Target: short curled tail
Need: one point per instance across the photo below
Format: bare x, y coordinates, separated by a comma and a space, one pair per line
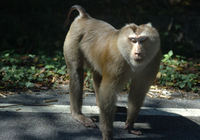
81, 10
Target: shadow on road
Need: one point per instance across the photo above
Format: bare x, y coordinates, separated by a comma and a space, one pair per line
61, 126
163, 127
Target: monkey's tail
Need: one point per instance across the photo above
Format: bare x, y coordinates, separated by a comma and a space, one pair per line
81, 10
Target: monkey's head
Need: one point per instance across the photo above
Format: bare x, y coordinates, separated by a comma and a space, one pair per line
138, 44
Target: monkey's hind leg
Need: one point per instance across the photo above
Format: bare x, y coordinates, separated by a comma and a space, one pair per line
76, 92
96, 84
74, 62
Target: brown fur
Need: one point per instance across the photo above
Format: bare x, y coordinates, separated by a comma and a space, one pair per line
114, 59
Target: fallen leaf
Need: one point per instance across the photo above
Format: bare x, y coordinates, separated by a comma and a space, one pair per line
4, 96
50, 101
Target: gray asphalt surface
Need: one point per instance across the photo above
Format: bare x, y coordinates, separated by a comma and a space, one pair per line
60, 126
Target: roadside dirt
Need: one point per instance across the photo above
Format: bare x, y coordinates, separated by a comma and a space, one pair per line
154, 92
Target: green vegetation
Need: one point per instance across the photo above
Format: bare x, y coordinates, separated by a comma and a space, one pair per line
32, 35
30, 71
178, 73
37, 71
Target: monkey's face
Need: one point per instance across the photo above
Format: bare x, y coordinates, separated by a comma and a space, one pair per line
138, 44
137, 47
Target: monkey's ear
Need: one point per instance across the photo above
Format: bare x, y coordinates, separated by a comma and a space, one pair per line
149, 24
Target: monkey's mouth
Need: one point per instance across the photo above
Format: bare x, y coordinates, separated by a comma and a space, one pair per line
138, 58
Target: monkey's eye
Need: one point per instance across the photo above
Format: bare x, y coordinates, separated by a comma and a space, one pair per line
142, 39
133, 39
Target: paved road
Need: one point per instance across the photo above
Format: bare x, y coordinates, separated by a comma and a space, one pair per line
35, 117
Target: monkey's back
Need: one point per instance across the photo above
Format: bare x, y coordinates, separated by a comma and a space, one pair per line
95, 37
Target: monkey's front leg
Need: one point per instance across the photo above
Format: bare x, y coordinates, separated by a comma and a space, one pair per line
135, 101
107, 99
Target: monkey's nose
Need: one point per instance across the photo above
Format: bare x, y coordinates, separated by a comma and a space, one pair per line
138, 54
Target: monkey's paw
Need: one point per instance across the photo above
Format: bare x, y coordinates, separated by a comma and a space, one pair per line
135, 132
131, 130
87, 122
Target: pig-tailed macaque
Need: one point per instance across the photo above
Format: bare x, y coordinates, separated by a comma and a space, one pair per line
131, 53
